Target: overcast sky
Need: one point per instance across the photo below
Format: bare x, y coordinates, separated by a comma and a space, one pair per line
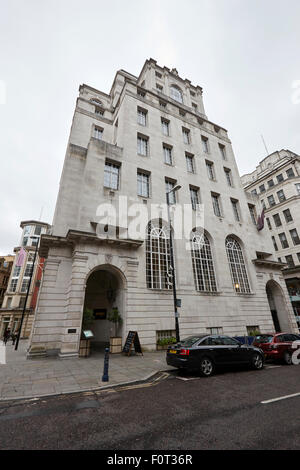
244, 53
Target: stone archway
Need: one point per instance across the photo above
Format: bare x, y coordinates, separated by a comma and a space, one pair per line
277, 306
105, 289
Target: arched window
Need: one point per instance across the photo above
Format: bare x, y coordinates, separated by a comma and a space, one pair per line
237, 265
95, 101
176, 94
158, 272
203, 265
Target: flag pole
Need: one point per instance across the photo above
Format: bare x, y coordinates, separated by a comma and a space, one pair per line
27, 293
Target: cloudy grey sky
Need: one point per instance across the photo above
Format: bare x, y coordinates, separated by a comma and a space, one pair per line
244, 53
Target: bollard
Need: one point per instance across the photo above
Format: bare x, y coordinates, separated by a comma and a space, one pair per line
105, 370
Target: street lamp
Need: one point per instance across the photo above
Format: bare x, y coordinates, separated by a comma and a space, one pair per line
27, 293
173, 190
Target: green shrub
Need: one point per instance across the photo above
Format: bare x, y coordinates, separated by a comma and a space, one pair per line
166, 341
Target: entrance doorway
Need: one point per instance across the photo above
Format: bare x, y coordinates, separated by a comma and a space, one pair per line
104, 291
277, 306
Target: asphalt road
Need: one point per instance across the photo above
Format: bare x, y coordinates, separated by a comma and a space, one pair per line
220, 412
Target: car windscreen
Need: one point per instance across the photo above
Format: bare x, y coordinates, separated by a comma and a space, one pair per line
263, 339
187, 342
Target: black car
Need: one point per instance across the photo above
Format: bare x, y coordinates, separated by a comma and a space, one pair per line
204, 353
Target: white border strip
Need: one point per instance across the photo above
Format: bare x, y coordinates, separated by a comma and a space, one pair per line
281, 398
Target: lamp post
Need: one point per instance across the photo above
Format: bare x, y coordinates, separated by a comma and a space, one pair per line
27, 293
176, 188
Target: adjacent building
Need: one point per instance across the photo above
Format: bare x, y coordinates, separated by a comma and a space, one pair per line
15, 295
276, 184
126, 150
6, 263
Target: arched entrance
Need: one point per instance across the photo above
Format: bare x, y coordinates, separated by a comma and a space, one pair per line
277, 306
104, 291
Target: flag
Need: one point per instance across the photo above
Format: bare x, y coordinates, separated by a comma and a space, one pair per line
21, 257
261, 220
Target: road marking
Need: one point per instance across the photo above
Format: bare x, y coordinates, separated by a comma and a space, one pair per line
281, 398
272, 367
187, 378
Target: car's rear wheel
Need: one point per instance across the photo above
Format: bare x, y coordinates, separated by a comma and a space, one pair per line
287, 357
207, 367
257, 361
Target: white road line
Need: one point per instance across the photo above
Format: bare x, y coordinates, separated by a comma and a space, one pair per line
272, 367
280, 398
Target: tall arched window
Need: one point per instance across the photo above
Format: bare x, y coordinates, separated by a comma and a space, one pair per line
158, 273
176, 94
237, 265
203, 265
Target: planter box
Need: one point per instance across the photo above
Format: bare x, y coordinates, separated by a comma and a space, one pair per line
115, 345
162, 348
84, 348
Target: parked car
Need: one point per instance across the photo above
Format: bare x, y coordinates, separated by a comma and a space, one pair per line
204, 353
277, 347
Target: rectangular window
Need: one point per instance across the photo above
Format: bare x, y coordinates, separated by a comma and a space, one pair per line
262, 188
162, 104
281, 195
190, 163
186, 135
295, 237
210, 170
159, 88
254, 192
8, 303
271, 200
141, 93
277, 220
223, 151
25, 285
169, 186
194, 193
269, 223
167, 155
204, 141
165, 126
216, 204
290, 261
235, 208
142, 146
16, 271
290, 173
99, 111
279, 178
298, 254
142, 116
252, 213
98, 132
216, 330
195, 107
111, 175
298, 188
288, 216
228, 176
263, 204
28, 268
283, 240
143, 184
270, 183
157, 74
275, 244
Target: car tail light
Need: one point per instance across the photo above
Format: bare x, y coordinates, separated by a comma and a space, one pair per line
184, 352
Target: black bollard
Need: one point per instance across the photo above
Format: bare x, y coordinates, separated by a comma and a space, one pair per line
105, 370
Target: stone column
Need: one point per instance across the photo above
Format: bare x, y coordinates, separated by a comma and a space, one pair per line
75, 300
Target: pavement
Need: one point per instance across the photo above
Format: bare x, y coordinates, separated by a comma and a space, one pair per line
22, 378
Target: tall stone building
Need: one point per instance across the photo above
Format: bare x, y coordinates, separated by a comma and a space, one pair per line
15, 295
6, 263
276, 184
131, 146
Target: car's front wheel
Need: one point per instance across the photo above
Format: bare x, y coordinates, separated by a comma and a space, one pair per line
257, 361
207, 367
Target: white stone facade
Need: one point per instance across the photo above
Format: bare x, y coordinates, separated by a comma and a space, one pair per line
74, 251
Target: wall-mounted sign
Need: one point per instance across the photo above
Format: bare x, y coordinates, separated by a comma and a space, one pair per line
99, 313
88, 334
